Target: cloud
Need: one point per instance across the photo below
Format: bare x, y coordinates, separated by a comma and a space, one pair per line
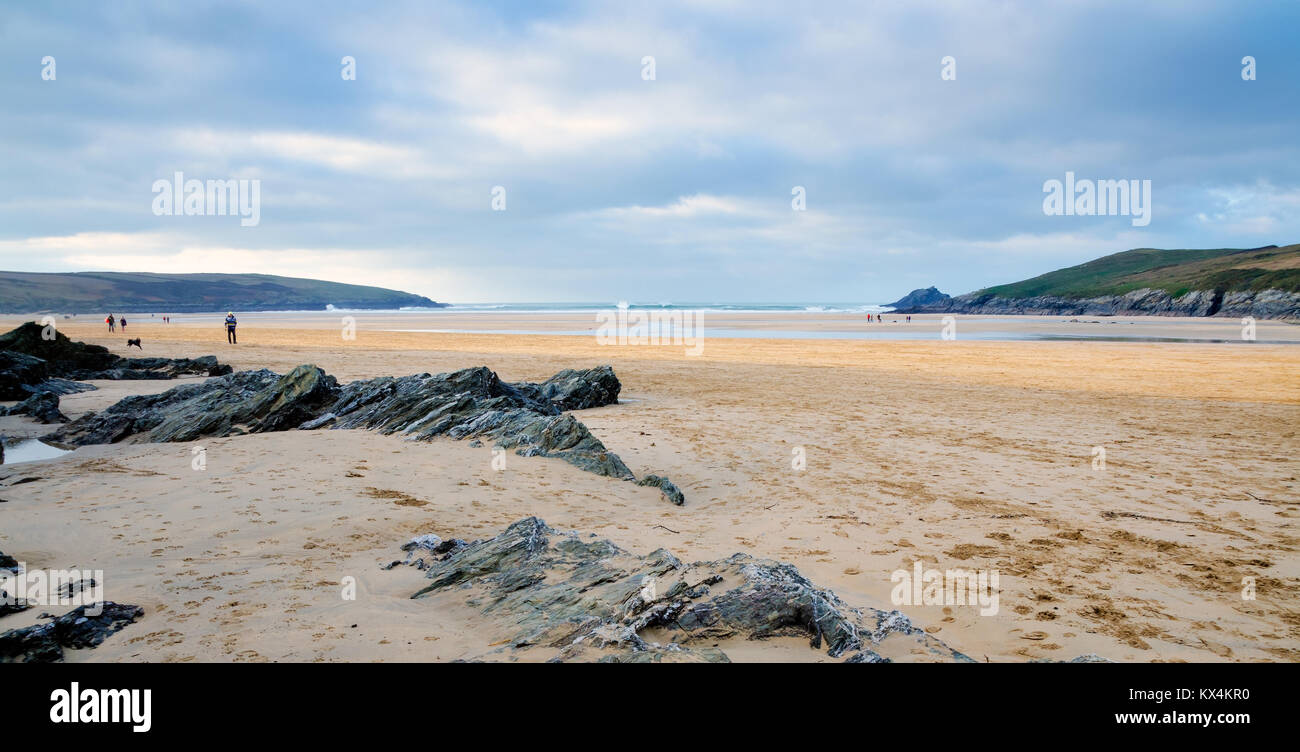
622, 187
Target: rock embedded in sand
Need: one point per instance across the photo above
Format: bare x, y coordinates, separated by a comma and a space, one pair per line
19, 372
564, 599
475, 404
577, 390
670, 490
43, 407
45, 643
469, 404
245, 402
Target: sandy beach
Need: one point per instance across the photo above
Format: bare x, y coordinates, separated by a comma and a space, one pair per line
976, 452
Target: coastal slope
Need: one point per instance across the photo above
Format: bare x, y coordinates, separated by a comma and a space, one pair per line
1260, 282
139, 292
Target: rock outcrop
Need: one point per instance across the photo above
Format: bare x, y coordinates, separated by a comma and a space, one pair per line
45, 643
564, 598
245, 402
475, 404
469, 404
1262, 304
43, 407
31, 363
919, 297
670, 489
19, 375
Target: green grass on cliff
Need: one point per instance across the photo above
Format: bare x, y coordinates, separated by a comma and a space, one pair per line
1174, 271
105, 292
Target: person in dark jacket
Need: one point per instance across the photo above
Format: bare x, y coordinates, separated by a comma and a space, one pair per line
230, 328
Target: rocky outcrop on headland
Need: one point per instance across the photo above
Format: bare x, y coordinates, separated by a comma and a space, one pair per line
573, 599
30, 363
917, 298
1262, 304
45, 643
469, 404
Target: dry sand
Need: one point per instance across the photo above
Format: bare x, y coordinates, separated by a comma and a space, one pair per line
972, 454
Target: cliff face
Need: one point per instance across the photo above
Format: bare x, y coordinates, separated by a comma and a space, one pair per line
1260, 282
1262, 304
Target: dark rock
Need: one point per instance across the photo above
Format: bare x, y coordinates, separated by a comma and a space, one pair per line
60, 387
245, 402
917, 298
169, 368
10, 605
423, 550
19, 371
43, 407
591, 600
45, 643
60, 353
468, 404
578, 390
30, 363
671, 491
867, 656
8, 562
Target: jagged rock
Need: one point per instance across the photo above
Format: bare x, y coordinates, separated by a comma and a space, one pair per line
157, 369
469, 404
8, 562
19, 371
31, 363
671, 491
59, 387
45, 643
475, 404
245, 402
591, 600
43, 407
578, 390
61, 354
423, 550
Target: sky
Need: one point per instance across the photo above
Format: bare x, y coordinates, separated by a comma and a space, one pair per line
621, 183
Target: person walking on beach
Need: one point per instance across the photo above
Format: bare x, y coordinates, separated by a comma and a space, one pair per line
111, 323
122, 321
230, 328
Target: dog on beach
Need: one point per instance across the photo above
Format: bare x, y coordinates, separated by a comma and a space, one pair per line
135, 342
